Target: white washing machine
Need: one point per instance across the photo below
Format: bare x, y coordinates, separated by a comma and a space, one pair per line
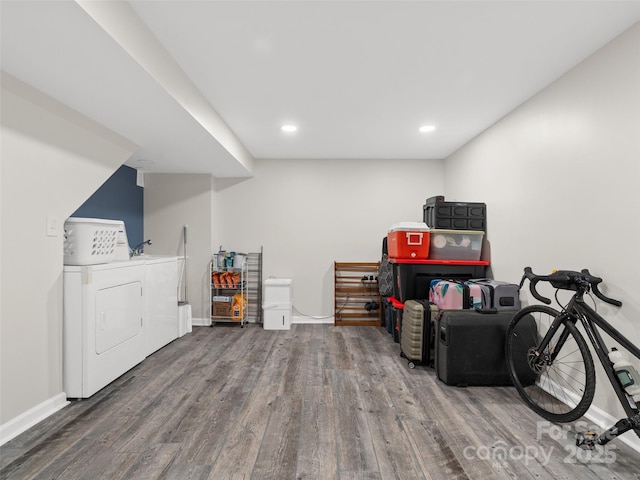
161, 301
103, 324
277, 305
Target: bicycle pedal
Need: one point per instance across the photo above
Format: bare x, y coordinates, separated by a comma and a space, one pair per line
586, 440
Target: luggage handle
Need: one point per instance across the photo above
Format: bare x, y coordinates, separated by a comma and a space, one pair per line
487, 310
416, 234
443, 335
479, 280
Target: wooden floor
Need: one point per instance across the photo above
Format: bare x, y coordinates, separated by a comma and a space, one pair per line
315, 402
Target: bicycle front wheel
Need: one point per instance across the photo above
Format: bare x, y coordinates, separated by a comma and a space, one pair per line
557, 382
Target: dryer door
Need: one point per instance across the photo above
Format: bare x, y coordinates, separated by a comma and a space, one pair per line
118, 315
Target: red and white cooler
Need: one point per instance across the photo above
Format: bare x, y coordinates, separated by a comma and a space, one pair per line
409, 240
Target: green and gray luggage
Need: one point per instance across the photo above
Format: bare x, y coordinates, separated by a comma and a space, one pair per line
416, 337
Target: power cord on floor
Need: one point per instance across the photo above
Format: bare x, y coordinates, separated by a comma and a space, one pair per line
311, 316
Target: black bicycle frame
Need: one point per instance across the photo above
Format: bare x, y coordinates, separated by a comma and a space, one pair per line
565, 316
589, 317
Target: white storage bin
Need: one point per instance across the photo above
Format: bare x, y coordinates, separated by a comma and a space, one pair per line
277, 290
277, 316
90, 241
456, 245
277, 304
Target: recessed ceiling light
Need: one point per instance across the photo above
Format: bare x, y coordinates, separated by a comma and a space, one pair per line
289, 128
427, 128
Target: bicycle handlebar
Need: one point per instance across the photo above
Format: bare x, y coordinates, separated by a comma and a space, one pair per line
567, 280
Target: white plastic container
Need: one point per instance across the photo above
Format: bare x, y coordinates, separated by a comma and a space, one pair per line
456, 245
626, 372
238, 260
277, 316
219, 260
277, 305
90, 241
277, 290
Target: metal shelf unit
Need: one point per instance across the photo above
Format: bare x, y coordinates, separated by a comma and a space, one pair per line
248, 283
225, 284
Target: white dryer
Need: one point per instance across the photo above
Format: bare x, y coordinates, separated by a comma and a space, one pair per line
103, 324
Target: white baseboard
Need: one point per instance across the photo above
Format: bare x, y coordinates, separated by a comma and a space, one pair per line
200, 322
34, 415
598, 416
205, 322
312, 320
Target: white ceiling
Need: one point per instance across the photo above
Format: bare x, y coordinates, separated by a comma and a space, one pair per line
204, 86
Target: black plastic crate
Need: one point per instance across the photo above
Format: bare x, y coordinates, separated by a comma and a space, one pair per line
438, 213
411, 281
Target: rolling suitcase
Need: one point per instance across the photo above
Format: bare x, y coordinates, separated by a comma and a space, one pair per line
416, 340
470, 348
502, 295
483, 299
455, 294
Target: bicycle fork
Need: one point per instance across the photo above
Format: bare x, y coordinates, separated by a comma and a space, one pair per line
546, 352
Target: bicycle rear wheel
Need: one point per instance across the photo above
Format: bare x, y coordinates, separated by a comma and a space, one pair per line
558, 385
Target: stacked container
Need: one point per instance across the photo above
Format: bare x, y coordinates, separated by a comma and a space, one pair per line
454, 215
408, 240
457, 229
277, 304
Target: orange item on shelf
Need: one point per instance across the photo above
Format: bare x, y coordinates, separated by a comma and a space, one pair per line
238, 304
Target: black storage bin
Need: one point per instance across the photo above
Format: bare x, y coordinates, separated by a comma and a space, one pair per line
454, 215
411, 281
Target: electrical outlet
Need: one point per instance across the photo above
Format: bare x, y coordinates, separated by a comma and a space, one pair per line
52, 226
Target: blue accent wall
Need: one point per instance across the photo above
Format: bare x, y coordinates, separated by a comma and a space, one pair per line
119, 198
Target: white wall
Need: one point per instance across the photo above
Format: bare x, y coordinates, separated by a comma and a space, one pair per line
170, 202
560, 178
53, 159
308, 214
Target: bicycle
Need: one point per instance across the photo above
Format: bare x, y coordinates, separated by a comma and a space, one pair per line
550, 363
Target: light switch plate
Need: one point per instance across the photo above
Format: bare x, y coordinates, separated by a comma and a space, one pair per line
52, 226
